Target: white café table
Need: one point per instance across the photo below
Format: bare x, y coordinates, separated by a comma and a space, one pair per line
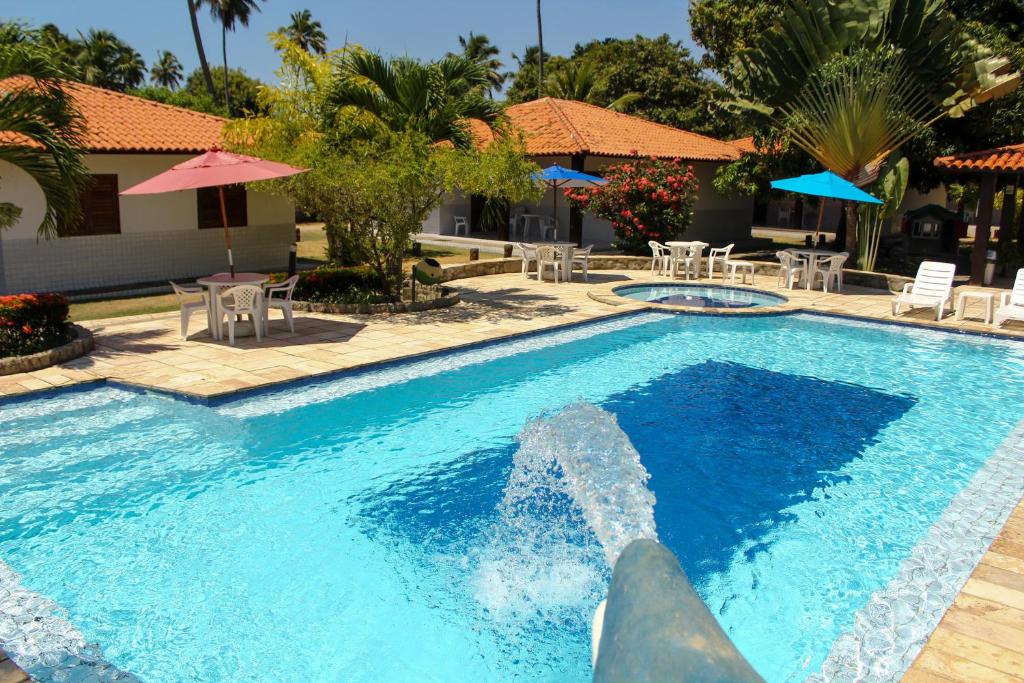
215, 283
812, 256
565, 250
677, 252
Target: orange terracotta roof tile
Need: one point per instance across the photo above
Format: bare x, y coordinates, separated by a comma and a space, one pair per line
116, 122
1009, 159
565, 127
744, 145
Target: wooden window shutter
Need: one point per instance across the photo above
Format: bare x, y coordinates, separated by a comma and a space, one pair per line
101, 209
209, 206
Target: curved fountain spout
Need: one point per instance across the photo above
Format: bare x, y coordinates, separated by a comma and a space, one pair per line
656, 628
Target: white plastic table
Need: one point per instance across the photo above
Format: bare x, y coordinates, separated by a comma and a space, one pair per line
677, 249
985, 297
812, 256
564, 250
220, 281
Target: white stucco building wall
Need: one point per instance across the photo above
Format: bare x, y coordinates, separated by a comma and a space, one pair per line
160, 237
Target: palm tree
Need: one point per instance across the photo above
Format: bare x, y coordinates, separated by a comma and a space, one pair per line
166, 70
478, 48
540, 54
207, 76
579, 80
104, 60
306, 32
44, 133
850, 82
435, 99
228, 13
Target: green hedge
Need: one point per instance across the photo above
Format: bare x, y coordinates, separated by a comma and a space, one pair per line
30, 323
335, 285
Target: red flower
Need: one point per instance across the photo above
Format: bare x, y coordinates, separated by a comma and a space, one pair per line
26, 328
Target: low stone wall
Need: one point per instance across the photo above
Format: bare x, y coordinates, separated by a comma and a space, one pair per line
82, 344
449, 299
860, 278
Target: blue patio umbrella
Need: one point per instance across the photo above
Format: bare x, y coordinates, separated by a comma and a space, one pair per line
825, 184
557, 177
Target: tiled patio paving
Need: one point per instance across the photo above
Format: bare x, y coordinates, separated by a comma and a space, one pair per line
981, 638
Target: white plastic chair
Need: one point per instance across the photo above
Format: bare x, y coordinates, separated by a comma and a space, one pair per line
581, 258
243, 300
282, 302
831, 270
735, 266
548, 256
931, 288
688, 260
718, 256
791, 269
659, 257
529, 256
1011, 304
461, 224
548, 229
190, 307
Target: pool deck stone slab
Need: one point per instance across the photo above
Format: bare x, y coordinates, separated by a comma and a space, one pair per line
980, 638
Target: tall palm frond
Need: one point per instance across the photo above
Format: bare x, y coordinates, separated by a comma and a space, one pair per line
436, 99
42, 133
228, 13
306, 32
478, 48
166, 71
579, 80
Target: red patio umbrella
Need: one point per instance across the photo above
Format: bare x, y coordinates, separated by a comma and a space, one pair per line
215, 168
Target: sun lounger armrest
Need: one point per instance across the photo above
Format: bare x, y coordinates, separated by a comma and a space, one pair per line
907, 286
1004, 299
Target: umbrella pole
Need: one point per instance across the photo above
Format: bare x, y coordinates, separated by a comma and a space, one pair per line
554, 208
227, 233
821, 217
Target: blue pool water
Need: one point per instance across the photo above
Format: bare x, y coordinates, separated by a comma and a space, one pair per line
349, 530
700, 296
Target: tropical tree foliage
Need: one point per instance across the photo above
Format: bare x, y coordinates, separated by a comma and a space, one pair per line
579, 80
525, 84
166, 71
104, 60
229, 13
724, 28
243, 92
890, 188
478, 48
374, 184
434, 99
204, 65
44, 137
851, 82
306, 32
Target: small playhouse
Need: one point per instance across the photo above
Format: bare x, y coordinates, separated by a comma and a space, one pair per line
932, 229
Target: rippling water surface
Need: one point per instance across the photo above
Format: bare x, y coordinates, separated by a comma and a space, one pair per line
352, 530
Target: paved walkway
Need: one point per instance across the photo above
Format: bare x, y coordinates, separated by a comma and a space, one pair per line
981, 638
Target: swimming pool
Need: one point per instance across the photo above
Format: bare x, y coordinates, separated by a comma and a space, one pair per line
352, 529
700, 296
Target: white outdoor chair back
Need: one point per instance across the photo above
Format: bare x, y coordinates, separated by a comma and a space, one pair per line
184, 292
243, 297
189, 307
285, 289
546, 253
934, 279
461, 224
1017, 293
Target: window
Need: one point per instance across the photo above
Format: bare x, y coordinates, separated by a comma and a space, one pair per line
101, 211
209, 206
926, 230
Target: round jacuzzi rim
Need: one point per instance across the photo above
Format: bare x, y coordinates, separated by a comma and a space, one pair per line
781, 300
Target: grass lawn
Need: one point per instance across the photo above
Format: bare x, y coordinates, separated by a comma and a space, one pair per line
310, 251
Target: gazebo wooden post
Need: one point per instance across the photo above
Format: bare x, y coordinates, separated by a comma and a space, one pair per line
575, 215
983, 227
1008, 216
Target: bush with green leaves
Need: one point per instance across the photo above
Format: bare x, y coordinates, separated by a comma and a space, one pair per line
30, 323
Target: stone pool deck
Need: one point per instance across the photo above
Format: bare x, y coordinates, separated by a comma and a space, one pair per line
981, 637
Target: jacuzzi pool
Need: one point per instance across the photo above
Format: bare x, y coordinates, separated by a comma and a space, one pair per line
700, 296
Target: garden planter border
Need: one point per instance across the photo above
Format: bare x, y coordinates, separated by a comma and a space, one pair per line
81, 344
449, 299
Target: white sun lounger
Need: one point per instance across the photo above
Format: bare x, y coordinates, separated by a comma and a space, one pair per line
932, 288
1011, 304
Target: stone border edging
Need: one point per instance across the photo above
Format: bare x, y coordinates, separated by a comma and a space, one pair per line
445, 301
81, 344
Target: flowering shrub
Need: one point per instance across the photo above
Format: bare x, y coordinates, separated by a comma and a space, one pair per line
30, 323
334, 285
646, 199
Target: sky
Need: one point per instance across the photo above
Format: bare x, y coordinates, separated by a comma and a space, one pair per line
393, 27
